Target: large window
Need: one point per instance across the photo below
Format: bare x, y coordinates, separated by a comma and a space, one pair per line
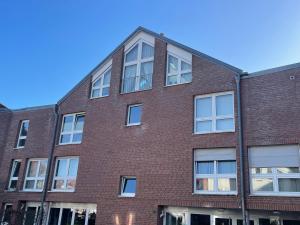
134, 115
35, 175
214, 113
72, 128
14, 175
138, 67
100, 86
23, 133
274, 170
179, 71
215, 171
128, 186
65, 174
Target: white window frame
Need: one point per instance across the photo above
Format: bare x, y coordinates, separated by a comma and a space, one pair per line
275, 176
125, 194
72, 132
179, 72
4, 210
214, 116
102, 86
138, 64
21, 137
215, 176
11, 178
129, 112
36, 178
67, 177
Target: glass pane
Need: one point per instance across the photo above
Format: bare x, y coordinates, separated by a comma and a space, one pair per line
203, 107
173, 219
223, 221
59, 184
61, 169
92, 217
16, 168
132, 54
135, 113
224, 104
186, 78
262, 184
130, 71
291, 222
29, 184
204, 184
261, 170
96, 83
172, 64
106, 78
7, 214
71, 184
66, 217
147, 51
13, 184
227, 184
264, 222
95, 93
185, 66
40, 184
24, 128
129, 185
146, 75
226, 167
77, 137
129, 78
30, 216
105, 91
54, 216
21, 142
65, 138
79, 122
32, 168
43, 168
80, 215
198, 219
205, 167
171, 80
289, 184
73, 166
204, 126
288, 170
240, 222
67, 123
226, 124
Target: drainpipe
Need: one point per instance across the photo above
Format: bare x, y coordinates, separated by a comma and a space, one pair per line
241, 150
50, 158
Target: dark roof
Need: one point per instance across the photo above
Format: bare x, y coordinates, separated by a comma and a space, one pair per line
158, 36
34, 108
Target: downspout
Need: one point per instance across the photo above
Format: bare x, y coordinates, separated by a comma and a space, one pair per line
241, 150
50, 158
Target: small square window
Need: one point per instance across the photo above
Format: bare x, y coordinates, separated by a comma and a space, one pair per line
128, 186
134, 115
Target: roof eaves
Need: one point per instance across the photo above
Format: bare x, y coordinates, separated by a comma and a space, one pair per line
34, 108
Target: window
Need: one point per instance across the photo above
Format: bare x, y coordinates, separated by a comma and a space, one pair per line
223, 221
14, 175
240, 222
274, 170
214, 113
128, 186
197, 219
7, 214
35, 175
215, 171
72, 129
138, 67
65, 174
134, 115
178, 71
23, 133
100, 86
174, 219
31, 213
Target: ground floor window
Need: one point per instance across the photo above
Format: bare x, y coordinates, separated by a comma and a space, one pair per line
198, 219
240, 222
291, 222
7, 214
31, 213
173, 219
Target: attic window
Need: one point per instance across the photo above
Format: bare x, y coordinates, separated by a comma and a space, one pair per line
138, 67
100, 86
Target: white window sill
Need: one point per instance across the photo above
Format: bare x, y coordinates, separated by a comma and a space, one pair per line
126, 196
171, 85
73, 143
133, 124
124, 93
17, 148
290, 194
53, 190
214, 132
31, 190
99, 97
215, 193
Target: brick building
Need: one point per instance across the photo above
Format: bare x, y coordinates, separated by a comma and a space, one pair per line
157, 133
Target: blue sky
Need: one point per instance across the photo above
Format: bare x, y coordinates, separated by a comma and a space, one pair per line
46, 47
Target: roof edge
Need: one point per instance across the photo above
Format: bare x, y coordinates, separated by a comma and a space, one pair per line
34, 108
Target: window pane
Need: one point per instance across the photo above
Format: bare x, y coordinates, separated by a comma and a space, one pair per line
79, 122
59, 184
61, 170
147, 51
262, 184
226, 124
146, 75
105, 91
288, 170
171, 80
226, 167
40, 184
24, 128
92, 217
80, 215
32, 168
67, 123
129, 185
224, 104
203, 107
135, 113
77, 137
66, 217
7, 214
65, 138
227, 184
71, 184
261, 170
240, 222
21, 142
43, 168
186, 78
205, 167
16, 168
30, 216
96, 83
129, 78
289, 184
203, 126
132, 54
13, 184
204, 184
172, 64
106, 78
73, 166
54, 216
185, 66
29, 184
